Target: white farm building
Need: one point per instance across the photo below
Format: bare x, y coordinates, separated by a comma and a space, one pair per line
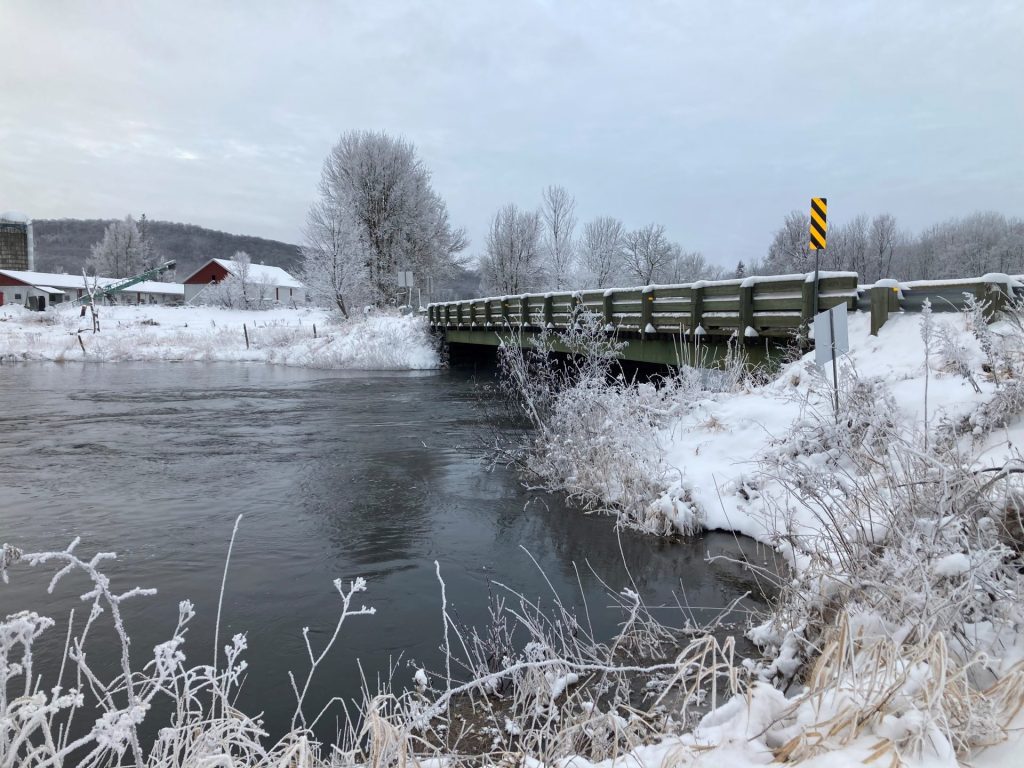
38, 290
271, 284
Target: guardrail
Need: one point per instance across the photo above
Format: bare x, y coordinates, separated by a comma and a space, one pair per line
753, 307
750, 307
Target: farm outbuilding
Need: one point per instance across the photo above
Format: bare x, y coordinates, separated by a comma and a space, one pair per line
16, 241
38, 290
271, 284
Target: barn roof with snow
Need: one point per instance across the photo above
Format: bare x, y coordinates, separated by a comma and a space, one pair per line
258, 273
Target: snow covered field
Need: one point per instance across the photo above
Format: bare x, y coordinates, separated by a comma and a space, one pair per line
212, 334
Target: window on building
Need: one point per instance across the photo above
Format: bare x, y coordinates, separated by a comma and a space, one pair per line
17, 296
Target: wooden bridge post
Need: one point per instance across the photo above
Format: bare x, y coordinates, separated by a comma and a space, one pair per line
608, 308
696, 307
447, 314
488, 322
472, 314
549, 311
646, 310
746, 310
458, 314
504, 312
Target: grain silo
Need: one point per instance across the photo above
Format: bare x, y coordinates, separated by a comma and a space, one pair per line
17, 248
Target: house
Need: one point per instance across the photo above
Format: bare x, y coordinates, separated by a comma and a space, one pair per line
38, 290
271, 284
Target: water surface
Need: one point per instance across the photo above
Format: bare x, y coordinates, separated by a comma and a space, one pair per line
337, 475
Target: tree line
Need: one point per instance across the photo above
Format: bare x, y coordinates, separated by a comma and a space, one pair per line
877, 247
65, 245
376, 215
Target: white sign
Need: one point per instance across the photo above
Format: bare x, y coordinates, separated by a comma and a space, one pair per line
831, 335
405, 280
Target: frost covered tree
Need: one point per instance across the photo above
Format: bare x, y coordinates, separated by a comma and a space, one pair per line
689, 266
513, 261
121, 252
883, 236
558, 212
790, 248
602, 251
741, 269
333, 259
380, 193
649, 254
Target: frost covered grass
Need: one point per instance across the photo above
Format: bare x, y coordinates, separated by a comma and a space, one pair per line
896, 635
533, 684
212, 334
596, 436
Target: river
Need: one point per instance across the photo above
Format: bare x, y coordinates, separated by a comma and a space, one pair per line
338, 475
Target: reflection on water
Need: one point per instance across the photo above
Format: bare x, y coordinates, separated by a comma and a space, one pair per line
338, 475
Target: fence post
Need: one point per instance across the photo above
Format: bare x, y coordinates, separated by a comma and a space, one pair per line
487, 314
746, 309
504, 311
549, 311
696, 306
879, 306
646, 310
608, 307
472, 314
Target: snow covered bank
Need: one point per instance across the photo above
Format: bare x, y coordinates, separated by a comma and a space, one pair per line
896, 635
717, 452
212, 334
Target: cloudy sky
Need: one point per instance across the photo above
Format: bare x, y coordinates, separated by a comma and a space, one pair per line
713, 118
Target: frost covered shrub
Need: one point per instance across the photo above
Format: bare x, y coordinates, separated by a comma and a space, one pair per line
595, 434
902, 615
78, 718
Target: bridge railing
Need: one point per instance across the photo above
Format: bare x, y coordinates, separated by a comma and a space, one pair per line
771, 306
753, 306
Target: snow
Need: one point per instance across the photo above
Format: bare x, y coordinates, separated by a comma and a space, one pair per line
66, 281
952, 565
280, 336
14, 217
262, 273
714, 448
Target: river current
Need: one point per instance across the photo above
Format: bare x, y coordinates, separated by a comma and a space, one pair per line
337, 474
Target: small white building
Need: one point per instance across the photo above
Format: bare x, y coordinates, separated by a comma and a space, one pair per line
272, 284
38, 290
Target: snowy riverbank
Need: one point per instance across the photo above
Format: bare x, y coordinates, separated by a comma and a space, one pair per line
280, 336
897, 635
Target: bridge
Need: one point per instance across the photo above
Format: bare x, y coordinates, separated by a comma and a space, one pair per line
656, 322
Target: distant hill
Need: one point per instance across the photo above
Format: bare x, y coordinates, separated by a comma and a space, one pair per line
63, 245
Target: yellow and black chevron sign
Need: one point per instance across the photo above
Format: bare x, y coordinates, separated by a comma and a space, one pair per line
819, 208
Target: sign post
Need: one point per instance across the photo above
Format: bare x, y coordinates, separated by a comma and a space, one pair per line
819, 211
405, 281
831, 339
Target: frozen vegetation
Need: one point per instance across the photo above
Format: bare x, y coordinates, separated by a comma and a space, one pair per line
894, 639
213, 334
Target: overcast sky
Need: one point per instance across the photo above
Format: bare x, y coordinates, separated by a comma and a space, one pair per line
713, 118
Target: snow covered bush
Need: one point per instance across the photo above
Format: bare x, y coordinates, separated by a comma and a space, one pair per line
595, 434
76, 717
903, 611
